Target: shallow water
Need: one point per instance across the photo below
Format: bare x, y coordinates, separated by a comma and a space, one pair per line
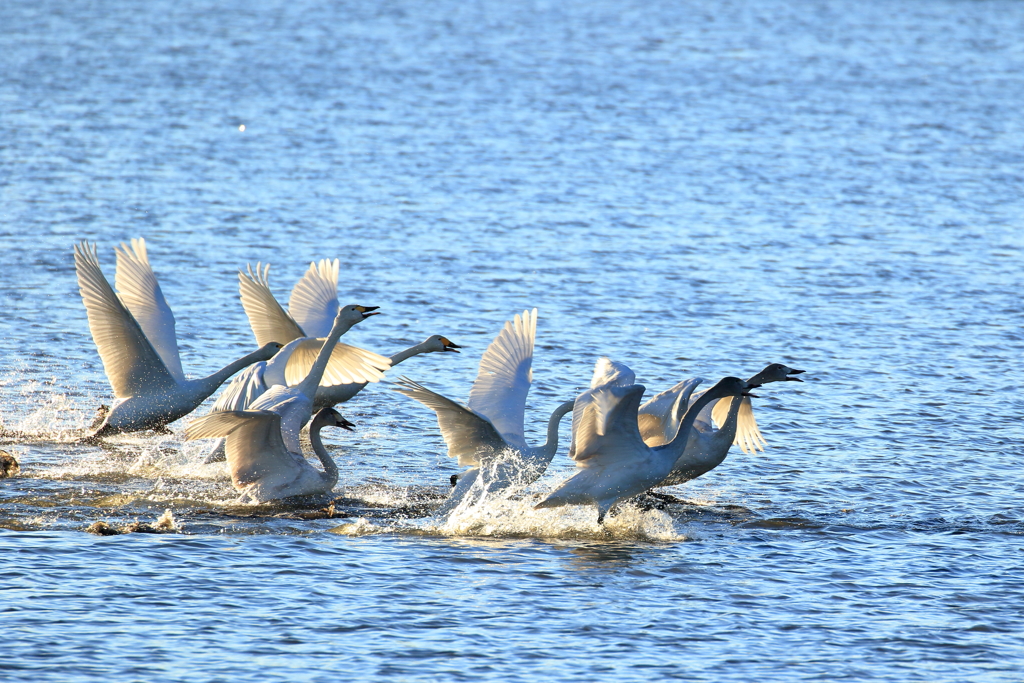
691, 189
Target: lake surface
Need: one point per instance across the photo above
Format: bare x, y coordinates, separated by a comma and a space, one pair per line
690, 188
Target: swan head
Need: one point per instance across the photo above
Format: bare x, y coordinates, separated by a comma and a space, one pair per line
777, 372
435, 343
329, 417
354, 313
269, 350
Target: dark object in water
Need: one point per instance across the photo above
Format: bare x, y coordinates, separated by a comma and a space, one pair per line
9, 466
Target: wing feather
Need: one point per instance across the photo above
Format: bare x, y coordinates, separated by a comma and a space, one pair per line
503, 381
132, 365
140, 293
659, 417
246, 387
313, 303
608, 427
267, 319
254, 447
748, 436
348, 364
471, 438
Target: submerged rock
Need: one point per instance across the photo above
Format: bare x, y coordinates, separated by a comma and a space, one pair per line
9, 466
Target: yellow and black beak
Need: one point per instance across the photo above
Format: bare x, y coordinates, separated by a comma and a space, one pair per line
450, 345
365, 310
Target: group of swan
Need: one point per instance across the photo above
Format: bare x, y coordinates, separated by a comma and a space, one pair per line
621, 447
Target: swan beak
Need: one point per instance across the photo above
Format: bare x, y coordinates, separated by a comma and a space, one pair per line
794, 379
365, 310
450, 345
345, 424
749, 395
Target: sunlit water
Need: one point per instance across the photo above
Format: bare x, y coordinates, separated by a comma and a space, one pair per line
691, 188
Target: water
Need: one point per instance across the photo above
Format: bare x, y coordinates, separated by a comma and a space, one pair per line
690, 188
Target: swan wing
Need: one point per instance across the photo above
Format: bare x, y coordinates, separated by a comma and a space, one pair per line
503, 381
607, 427
140, 293
471, 438
748, 436
348, 364
246, 387
659, 417
608, 371
267, 319
132, 365
314, 300
254, 447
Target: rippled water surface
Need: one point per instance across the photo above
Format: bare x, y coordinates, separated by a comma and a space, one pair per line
691, 188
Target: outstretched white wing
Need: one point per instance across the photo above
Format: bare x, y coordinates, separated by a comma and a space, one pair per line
503, 381
348, 364
748, 436
132, 364
254, 447
659, 417
607, 427
267, 319
470, 437
314, 300
140, 292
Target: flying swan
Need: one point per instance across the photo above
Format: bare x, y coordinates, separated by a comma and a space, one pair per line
135, 336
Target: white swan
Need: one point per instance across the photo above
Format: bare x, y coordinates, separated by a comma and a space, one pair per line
262, 468
314, 306
135, 336
488, 435
616, 463
295, 403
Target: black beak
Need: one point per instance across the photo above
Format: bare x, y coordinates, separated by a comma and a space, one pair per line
365, 310
345, 424
750, 395
794, 379
452, 347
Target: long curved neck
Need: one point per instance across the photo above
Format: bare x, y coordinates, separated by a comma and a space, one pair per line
312, 381
330, 469
407, 354
551, 445
677, 445
212, 382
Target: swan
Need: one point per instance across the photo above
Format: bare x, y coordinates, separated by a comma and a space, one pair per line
616, 463
262, 467
250, 385
295, 403
488, 434
135, 336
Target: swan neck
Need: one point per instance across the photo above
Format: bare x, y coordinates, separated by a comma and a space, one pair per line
212, 382
677, 445
330, 469
406, 354
312, 381
551, 445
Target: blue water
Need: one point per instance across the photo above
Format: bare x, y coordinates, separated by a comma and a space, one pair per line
690, 188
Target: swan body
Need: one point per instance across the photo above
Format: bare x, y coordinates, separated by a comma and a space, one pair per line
488, 434
262, 467
615, 462
136, 339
